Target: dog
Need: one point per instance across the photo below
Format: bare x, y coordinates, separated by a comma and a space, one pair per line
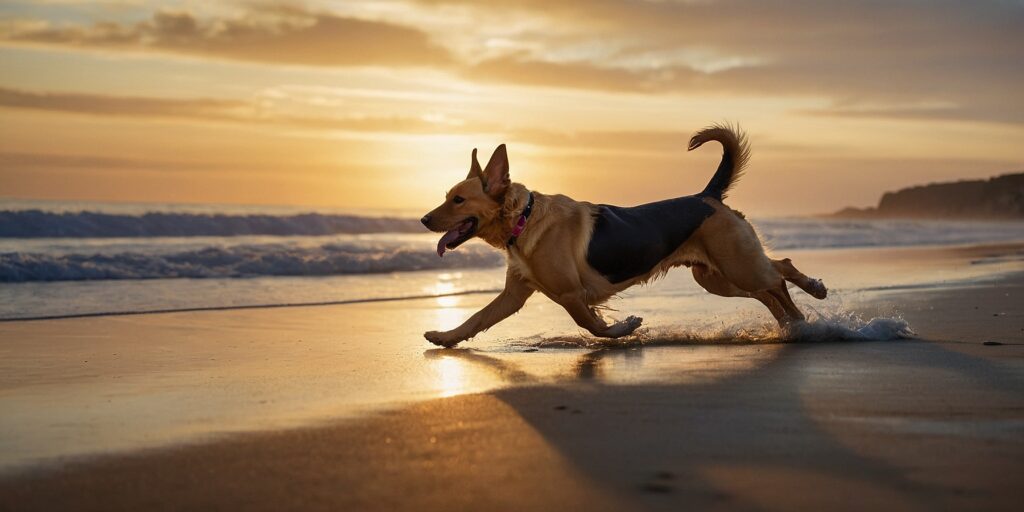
581, 254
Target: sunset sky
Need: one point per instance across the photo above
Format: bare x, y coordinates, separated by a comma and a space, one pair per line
377, 104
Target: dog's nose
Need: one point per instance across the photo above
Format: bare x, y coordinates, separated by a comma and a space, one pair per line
425, 220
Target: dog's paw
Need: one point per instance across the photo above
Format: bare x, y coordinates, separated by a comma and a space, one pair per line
442, 339
625, 327
817, 289
633, 322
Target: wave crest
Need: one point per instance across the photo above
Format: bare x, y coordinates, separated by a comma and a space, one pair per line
240, 261
41, 224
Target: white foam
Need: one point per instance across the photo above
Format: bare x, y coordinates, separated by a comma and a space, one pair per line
835, 325
88, 224
276, 259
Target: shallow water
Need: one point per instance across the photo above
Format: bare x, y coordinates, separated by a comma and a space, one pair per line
77, 387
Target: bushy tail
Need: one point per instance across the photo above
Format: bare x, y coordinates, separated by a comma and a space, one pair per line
734, 158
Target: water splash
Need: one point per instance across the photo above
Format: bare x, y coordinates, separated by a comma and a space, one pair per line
837, 324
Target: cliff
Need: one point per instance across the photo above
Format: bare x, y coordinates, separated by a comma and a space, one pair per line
1001, 197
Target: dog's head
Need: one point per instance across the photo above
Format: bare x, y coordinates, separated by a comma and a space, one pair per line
473, 205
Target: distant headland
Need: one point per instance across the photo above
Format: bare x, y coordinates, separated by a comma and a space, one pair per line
1001, 197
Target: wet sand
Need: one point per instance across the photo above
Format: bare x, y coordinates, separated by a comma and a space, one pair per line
931, 423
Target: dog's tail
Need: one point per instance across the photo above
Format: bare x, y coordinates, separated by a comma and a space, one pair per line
734, 158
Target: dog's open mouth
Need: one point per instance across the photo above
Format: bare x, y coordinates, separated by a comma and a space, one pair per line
457, 235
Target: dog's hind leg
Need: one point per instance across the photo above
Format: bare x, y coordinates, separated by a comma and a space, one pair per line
781, 293
716, 284
734, 249
773, 305
814, 287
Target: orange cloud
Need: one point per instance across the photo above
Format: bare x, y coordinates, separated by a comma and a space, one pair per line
521, 70
205, 109
273, 35
962, 56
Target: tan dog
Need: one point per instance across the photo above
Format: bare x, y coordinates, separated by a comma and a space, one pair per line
580, 254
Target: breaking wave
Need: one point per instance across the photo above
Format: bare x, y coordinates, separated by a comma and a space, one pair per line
42, 224
242, 261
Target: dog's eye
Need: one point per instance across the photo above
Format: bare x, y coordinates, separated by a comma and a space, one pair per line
457, 199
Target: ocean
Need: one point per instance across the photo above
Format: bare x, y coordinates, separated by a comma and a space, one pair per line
72, 259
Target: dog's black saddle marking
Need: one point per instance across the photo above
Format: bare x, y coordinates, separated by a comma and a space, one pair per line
628, 242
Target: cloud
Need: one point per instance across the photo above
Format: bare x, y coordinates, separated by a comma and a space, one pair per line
850, 98
797, 28
119, 106
964, 55
207, 109
20, 160
254, 113
1010, 113
520, 70
279, 35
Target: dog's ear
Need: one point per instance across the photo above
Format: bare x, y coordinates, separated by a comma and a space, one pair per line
496, 180
475, 171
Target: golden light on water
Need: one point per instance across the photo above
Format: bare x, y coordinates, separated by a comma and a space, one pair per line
443, 290
447, 315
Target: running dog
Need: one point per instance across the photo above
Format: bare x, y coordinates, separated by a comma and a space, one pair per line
580, 254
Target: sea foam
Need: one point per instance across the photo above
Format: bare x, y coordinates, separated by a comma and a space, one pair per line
86, 224
336, 258
835, 325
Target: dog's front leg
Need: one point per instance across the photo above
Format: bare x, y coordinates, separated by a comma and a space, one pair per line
509, 301
586, 317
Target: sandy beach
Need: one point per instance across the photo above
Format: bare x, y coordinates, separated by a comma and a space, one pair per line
347, 408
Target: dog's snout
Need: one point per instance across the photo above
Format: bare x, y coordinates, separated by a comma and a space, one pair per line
425, 220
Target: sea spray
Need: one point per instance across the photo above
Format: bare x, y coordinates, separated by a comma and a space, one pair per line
830, 324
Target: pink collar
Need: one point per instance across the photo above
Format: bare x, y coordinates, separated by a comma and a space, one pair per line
521, 223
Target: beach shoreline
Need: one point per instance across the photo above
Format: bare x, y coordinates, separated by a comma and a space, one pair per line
932, 422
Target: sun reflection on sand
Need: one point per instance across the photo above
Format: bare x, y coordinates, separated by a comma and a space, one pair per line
448, 313
452, 379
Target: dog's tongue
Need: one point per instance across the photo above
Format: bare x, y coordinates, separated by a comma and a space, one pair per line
448, 238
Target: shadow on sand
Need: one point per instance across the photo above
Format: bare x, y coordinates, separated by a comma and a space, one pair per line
821, 426
848, 425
